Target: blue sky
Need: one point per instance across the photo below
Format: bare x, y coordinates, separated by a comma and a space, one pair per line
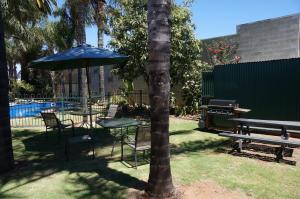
220, 17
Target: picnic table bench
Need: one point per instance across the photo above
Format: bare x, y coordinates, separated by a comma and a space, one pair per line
242, 133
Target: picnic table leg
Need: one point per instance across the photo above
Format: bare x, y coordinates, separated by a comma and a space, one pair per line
279, 153
284, 133
240, 140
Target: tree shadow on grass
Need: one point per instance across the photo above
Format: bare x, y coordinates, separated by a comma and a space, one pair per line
44, 157
104, 182
199, 145
258, 151
181, 132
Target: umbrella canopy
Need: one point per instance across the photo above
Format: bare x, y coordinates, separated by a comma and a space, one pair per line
81, 56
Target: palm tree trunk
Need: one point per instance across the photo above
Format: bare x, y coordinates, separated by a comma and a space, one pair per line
81, 39
6, 150
160, 179
10, 69
100, 15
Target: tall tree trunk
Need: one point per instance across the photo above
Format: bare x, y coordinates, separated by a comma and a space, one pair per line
15, 71
80, 36
53, 82
6, 150
10, 69
160, 179
24, 71
100, 17
81, 39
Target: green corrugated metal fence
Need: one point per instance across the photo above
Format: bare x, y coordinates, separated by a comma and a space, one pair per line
207, 86
270, 88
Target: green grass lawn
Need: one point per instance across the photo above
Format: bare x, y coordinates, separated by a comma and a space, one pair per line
196, 156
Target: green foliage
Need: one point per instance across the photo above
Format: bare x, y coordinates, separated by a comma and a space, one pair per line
128, 22
17, 88
118, 99
192, 84
126, 90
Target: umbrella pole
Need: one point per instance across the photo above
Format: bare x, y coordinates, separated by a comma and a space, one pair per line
89, 94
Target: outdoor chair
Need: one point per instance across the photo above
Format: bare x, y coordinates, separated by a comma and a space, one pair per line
52, 122
141, 142
111, 113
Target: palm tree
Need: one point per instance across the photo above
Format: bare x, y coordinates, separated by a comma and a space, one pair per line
160, 179
80, 13
6, 151
99, 7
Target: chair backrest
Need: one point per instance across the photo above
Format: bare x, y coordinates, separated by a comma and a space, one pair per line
143, 136
50, 119
112, 110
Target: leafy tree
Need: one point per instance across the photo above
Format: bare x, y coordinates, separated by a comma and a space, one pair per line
25, 38
160, 179
128, 22
100, 18
192, 87
6, 150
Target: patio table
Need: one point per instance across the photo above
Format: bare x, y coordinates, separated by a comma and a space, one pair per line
119, 123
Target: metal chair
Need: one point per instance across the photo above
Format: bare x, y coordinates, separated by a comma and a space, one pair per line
141, 142
52, 122
111, 113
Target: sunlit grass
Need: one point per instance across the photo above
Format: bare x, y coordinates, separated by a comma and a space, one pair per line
195, 156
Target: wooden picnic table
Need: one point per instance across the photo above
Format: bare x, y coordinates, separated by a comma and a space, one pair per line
284, 127
291, 125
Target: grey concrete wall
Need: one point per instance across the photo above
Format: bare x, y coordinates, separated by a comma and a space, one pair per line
270, 39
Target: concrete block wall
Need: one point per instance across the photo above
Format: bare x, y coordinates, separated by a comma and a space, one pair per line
269, 39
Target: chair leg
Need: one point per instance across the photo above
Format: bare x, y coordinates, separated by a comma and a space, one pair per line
135, 159
112, 150
122, 151
46, 133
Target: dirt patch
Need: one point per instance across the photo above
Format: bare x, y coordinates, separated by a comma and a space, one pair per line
203, 190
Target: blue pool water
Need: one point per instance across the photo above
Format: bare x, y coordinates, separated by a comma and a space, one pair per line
33, 109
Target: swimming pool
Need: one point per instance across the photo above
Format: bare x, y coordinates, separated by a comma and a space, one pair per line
34, 108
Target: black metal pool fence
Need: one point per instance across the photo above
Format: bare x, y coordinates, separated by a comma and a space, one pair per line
25, 110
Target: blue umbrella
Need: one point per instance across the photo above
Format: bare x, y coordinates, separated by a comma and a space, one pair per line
82, 56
